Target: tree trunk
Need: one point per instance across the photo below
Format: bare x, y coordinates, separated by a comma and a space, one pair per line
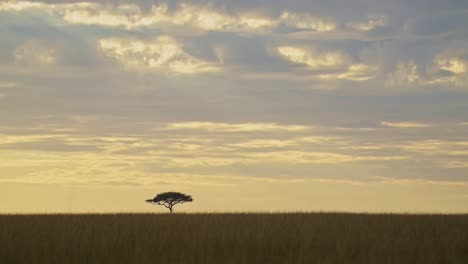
170, 209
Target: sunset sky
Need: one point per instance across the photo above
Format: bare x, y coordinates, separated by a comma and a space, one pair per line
247, 105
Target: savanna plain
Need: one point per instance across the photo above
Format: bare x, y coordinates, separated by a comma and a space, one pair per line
234, 238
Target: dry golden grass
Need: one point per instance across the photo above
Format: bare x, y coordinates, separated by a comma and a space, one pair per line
234, 238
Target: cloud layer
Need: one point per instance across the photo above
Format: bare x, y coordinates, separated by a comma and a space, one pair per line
123, 33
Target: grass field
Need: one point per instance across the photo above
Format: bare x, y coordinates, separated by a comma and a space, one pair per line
234, 238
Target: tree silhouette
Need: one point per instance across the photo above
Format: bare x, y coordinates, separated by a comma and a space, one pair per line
169, 199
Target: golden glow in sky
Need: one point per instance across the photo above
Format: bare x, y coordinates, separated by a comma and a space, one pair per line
290, 106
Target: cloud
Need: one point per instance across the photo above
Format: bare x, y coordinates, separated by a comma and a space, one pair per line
362, 147
438, 147
131, 16
241, 127
210, 148
294, 156
182, 162
405, 124
7, 85
354, 72
425, 146
368, 25
161, 54
12, 139
305, 21
213, 20
90, 13
355, 128
127, 16
313, 59
35, 52
452, 64
406, 73
450, 67
20, 5
264, 143
336, 55
388, 180
328, 65
457, 164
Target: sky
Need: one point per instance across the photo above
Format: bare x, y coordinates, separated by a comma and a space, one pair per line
255, 105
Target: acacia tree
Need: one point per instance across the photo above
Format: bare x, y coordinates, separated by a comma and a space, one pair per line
170, 199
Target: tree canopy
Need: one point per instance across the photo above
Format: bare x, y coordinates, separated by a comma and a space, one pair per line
170, 199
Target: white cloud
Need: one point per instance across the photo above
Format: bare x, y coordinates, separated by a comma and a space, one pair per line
130, 16
213, 20
370, 24
20, 5
453, 64
354, 72
406, 124
450, 67
355, 128
127, 16
336, 64
264, 143
163, 54
239, 127
314, 59
307, 22
88, 13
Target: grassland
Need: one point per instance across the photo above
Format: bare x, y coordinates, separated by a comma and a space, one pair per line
234, 238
